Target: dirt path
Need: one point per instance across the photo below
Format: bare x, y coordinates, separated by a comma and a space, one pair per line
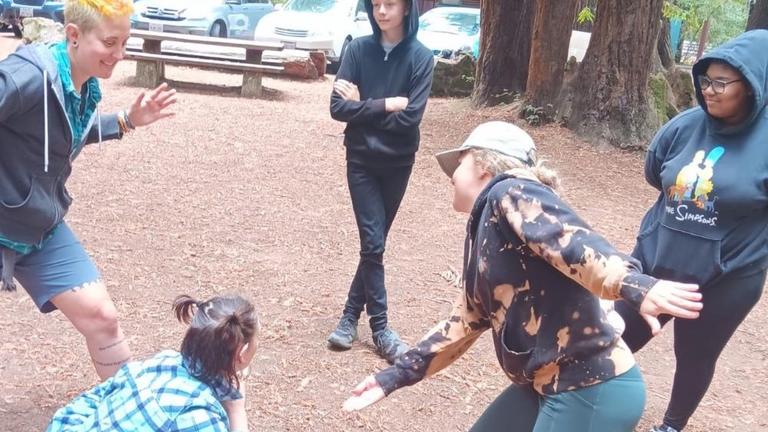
250, 196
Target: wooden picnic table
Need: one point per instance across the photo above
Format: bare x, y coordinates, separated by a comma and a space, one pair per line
151, 60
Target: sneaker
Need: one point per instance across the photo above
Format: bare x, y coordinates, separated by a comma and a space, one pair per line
663, 428
389, 345
344, 334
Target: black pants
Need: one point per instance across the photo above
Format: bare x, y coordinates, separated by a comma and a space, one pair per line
698, 343
376, 195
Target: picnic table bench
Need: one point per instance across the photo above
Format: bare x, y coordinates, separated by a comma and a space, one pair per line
151, 60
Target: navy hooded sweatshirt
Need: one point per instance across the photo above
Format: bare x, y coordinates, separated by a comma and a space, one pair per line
711, 217
36, 150
374, 136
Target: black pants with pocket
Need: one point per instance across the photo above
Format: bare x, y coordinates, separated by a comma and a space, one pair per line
698, 343
376, 195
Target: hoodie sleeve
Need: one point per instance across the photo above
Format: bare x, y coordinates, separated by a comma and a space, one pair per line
353, 111
110, 130
10, 99
418, 94
656, 154
445, 343
553, 231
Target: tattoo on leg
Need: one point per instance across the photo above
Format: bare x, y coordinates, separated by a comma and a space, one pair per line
117, 363
87, 285
111, 345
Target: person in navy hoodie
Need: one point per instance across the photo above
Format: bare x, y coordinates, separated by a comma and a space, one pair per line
49, 96
381, 92
709, 225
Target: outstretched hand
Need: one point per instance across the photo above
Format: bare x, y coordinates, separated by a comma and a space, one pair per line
151, 106
672, 298
367, 393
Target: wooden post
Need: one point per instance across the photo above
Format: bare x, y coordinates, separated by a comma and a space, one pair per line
252, 80
150, 73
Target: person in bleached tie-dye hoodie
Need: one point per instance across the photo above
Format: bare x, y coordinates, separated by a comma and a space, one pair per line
534, 274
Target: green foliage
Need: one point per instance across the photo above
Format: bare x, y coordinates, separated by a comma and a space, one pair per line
660, 93
586, 15
537, 116
727, 18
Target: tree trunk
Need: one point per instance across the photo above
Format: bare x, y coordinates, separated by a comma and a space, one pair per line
549, 52
505, 50
703, 39
609, 98
758, 15
664, 47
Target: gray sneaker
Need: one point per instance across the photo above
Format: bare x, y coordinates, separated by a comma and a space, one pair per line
663, 428
389, 345
344, 334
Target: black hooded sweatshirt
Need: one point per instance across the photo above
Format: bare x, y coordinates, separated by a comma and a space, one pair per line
373, 136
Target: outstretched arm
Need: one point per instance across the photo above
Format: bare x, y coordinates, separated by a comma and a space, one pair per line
149, 107
553, 231
445, 343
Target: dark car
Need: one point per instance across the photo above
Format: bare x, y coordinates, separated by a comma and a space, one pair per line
14, 11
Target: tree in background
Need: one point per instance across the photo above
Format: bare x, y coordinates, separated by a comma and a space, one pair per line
708, 21
609, 96
505, 50
758, 15
549, 52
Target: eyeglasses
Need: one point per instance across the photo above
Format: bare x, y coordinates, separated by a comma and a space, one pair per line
718, 86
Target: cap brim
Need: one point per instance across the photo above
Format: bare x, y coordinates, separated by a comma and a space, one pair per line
449, 160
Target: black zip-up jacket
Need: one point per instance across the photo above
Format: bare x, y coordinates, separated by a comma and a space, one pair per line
373, 136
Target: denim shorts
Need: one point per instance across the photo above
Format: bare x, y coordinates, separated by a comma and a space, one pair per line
61, 265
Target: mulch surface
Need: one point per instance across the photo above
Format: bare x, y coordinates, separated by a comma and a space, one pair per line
250, 196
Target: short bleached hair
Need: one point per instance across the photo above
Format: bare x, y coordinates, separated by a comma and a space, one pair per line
86, 14
495, 163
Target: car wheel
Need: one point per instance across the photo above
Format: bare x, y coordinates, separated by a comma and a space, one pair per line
334, 66
17, 30
218, 29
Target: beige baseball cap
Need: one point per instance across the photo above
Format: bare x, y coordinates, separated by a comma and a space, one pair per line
499, 136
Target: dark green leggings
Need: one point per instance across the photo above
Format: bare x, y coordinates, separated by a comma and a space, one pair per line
615, 405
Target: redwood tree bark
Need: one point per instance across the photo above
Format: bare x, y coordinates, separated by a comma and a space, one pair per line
758, 15
505, 49
609, 95
549, 51
703, 39
664, 47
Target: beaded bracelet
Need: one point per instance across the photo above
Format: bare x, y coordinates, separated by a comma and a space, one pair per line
124, 123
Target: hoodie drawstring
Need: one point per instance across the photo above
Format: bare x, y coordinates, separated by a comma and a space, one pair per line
98, 120
45, 115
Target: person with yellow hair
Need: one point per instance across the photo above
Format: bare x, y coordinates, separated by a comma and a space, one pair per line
49, 97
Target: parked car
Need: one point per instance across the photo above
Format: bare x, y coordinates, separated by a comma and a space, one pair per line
450, 30
14, 12
219, 18
316, 25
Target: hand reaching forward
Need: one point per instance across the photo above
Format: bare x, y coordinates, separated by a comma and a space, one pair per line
151, 106
367, 393
671, 298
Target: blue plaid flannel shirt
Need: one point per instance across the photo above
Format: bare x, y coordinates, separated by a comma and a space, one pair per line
158, 394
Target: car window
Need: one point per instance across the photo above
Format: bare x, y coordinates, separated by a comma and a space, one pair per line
450, 22
316, 6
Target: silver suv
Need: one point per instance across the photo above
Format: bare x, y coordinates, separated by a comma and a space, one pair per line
219, 18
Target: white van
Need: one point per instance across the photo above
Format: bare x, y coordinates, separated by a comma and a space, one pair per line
316, 25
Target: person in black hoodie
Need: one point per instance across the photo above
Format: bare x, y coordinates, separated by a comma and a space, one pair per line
381, 91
